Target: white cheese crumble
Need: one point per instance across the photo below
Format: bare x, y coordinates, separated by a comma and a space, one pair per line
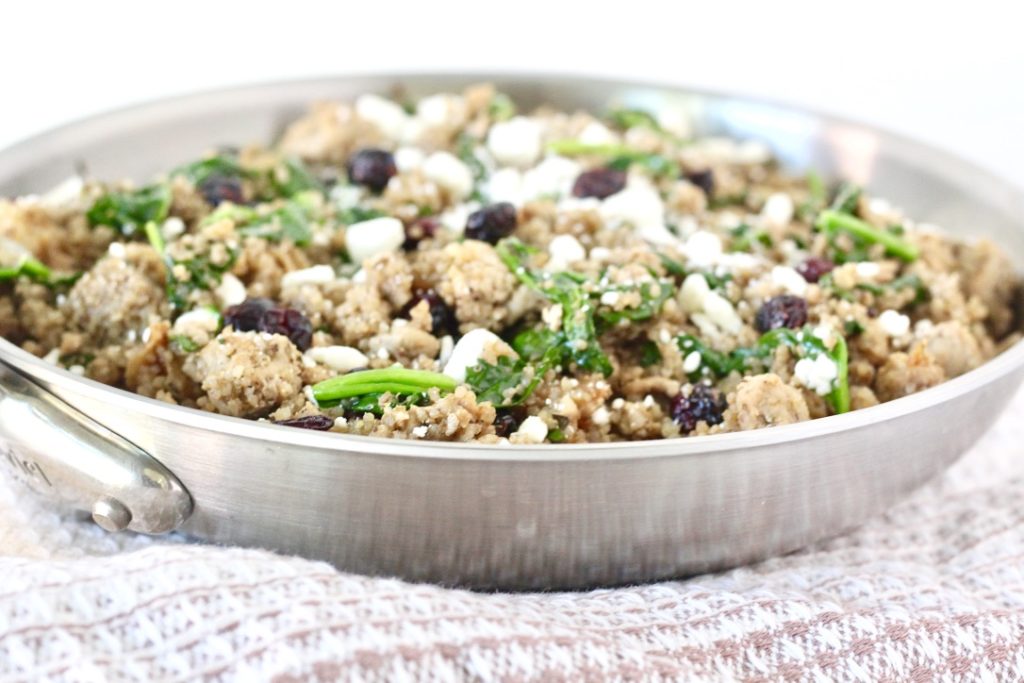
172, 228
719, 310
676, 120
454, 219
610, 298
346, 196
552, 177
692, 362
596, 133
53, 357
388, 117
468, 351
600, 416
116, 249
817, 374
600, 254
867, 270
437, 110
340, 358
691, 294
552, 317
372, 237
64, 193
447, 171
706, 306
447, 344
703, 249
894, 323
506, 185
198, 320
564, 250
420, 431
789, 280
640, 206
533, 430
516, 142
409, 159
777, 211
308, 276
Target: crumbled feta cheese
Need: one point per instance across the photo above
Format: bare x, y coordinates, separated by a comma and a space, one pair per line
639, 206
894, 323
308, 276
552, 177
454, 219
596, 133
447, 344
789, 280
437, 110
610, 298
420, 431
468, 351
817, 374
676, 120
116, 249
346, 196
506, 185
408, 159
359, 276
691, 294
552, 317
703, 249
372, 237
533, 430
824, 333
752, 152
339, 422
867, 270
340, 358
389, 118
692, 362
196, 321
600, 416
447, 171
53, 357
600, 254
77, 370
777, 211
172, 228
564, 250
516, 142
721, 312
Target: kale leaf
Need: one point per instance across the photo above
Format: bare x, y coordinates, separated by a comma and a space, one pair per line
129, 211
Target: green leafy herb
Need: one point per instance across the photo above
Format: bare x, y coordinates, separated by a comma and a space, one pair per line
185, 343
852, 328
290, 221
83, 359
832, 222
199, 272
465, 150
803, 341
817, 196
633, 118
653, 296
620, 157
221, 165
649, 354
743, 238
291, 177
130, 211
397, 381
847, 198
358, 214
501, 107
508, 382
29, 267
678, 271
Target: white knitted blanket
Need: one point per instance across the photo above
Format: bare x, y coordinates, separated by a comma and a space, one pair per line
932, 590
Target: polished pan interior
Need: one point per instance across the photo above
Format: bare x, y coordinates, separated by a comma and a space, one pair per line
511, 517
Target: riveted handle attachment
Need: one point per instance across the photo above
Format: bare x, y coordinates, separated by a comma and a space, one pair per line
60, 453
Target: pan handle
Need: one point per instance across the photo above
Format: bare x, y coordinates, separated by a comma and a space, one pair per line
59, 452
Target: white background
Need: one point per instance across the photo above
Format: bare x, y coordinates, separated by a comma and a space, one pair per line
955, 78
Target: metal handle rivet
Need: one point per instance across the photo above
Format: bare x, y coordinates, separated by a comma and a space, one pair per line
111, 515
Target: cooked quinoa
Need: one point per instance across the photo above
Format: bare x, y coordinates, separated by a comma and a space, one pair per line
454, 270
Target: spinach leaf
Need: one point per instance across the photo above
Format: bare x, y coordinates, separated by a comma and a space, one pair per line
130, 210
199, 271
358, 214
832, 222
37, 271
291, 177
506, 383
198, 172
633, 118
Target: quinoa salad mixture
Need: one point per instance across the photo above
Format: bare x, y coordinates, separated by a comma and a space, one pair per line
455, 269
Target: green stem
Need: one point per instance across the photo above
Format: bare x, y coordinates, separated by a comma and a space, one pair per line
830, 220
393, 380
571, 147
840, 396
156, 239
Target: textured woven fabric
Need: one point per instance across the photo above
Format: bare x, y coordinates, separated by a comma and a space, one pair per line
932, 590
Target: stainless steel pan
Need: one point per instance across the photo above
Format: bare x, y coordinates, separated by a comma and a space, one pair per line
521, 517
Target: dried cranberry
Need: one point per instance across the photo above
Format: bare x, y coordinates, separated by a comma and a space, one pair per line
218, 188
246, 316
290, 323
505, 424
705, 180
442, 318
491, 223
320, 423
814, 268
372, 168
599, 182
701, 404
781, 311
418, 230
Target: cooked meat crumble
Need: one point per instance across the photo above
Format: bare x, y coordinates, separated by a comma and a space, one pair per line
455, 270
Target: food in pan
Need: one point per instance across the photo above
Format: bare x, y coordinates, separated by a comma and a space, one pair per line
456, 269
